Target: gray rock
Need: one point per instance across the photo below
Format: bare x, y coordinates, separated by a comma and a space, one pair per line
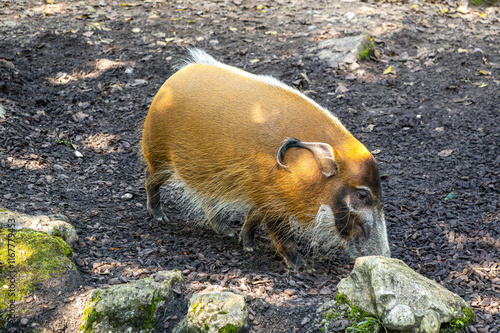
403, 299
215, 312
133, 307
55, 225
345, 50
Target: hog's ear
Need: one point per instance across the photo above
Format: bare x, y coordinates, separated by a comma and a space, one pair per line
323, 153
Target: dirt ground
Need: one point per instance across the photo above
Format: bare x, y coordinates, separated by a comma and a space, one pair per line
86, 72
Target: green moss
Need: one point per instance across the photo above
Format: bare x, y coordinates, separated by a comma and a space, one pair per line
459, 324
60, 233
149, 322
229, 329
367, 51
90, 315
195, 306
37, 257
361, 321
486, 2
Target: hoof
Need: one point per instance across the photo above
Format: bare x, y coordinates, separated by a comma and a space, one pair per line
223, 229
296, 262
248, 245
158, 214
228, 231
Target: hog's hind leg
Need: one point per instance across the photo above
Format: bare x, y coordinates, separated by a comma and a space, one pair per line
153, 193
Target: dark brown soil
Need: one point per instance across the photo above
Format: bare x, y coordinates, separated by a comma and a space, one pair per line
83, 73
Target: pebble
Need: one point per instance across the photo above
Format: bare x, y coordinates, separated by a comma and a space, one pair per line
349, 16
24, 321
127, 196
290, 292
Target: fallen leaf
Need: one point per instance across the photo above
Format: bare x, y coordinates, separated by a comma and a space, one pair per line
450, 196
445, 153
136, 30
272, 33
341, 89
325, 291
139, 82
233, 29
388, 70
254, 61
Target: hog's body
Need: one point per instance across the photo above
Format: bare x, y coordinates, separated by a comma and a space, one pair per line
237, 138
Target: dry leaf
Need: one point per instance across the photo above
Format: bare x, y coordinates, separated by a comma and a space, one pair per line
254, 60
445, 153
388, 70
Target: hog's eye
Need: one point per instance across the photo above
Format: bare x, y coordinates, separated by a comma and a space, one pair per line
363, 195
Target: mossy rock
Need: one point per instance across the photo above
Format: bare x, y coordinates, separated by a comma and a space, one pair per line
132, 307
32, 261
55, 225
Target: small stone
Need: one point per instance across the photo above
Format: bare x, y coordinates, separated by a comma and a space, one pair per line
349, 16
127, 196
290, 292
24, 321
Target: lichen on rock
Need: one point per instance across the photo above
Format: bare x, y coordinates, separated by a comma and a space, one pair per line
132, 307
223, 312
